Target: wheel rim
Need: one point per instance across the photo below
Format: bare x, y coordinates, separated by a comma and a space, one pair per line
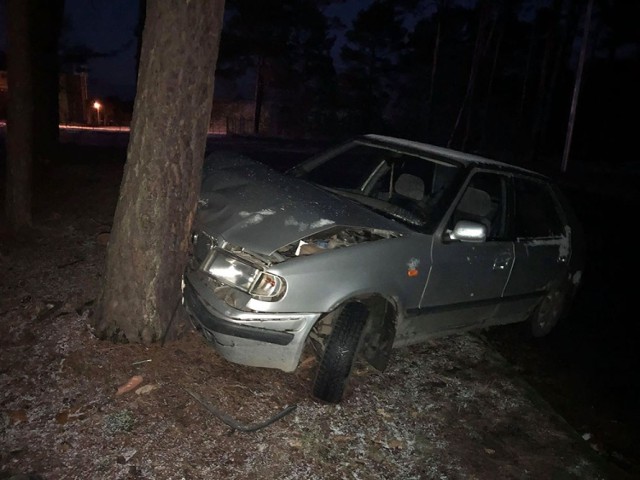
549, 311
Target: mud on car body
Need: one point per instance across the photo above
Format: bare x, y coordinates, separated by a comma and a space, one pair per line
377, 243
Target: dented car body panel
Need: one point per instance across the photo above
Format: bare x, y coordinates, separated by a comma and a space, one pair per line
433, 241
252, 205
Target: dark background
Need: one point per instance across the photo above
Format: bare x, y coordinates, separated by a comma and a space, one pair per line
492, 78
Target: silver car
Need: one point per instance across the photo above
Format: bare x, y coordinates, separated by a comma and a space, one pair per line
374, 244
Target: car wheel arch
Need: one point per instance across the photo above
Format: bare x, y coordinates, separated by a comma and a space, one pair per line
552, 308
380, 331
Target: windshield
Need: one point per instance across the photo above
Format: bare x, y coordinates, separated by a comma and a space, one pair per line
403, 185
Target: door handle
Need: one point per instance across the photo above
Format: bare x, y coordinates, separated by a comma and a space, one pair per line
501, 262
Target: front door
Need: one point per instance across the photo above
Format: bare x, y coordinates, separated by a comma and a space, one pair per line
467, 279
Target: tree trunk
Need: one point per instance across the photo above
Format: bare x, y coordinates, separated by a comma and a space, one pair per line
553, 48
46, 26
259, 96
20, 116
470, 110
492, 75
478, 52
142, 9
576, 87
150, 236
434, 62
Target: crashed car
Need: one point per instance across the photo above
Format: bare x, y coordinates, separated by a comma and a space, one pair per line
374, 244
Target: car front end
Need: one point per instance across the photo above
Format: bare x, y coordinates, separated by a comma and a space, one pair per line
261, 275
218, 287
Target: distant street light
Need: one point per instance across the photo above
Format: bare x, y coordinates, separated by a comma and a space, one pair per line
97, 105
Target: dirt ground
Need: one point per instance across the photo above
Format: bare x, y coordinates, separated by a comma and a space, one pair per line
449, 409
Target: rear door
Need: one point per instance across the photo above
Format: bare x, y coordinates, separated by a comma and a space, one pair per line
541, 245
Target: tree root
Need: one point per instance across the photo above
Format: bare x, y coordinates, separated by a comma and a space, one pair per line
233, 423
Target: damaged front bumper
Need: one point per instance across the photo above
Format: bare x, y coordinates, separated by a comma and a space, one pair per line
270, 340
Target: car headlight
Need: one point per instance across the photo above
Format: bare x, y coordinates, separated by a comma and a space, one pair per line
236, 273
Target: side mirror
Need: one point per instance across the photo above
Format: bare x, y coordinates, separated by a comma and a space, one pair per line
466, 231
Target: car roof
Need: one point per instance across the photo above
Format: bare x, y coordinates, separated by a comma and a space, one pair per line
466, 159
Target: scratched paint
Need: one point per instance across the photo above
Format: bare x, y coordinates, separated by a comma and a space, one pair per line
292, 222
253, 218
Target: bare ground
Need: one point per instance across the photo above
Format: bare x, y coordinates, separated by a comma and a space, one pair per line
449, 409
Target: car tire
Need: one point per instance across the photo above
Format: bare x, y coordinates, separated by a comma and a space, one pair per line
548, 313
340, 352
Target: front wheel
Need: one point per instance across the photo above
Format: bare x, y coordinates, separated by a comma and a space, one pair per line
340, 352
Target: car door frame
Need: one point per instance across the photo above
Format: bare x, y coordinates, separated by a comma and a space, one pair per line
443, 310
540, 263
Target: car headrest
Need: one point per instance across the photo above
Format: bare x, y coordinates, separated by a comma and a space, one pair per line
410, 186
475, 202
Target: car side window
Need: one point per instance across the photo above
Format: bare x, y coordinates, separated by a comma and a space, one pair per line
536, 211
485, 201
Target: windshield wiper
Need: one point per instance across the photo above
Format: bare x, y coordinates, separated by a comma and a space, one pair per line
382, 206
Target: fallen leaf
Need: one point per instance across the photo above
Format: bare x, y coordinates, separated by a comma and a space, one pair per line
394, 444
130, 385
307, 361
295, 443
103, 238
146, 389
17, 416
62, 417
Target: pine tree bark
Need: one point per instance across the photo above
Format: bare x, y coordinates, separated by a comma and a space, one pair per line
20, 116
46, 26
149, 240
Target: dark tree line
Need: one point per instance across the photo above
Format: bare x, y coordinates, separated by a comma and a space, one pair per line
494, 78
283, 47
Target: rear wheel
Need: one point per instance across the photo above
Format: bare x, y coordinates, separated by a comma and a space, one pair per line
549, 312
340, 351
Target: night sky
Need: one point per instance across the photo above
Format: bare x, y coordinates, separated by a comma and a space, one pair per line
107, 25
104, 26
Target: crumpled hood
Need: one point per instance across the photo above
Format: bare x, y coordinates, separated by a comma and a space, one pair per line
255, 207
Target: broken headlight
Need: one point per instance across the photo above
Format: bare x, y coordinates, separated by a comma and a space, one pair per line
236, 273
